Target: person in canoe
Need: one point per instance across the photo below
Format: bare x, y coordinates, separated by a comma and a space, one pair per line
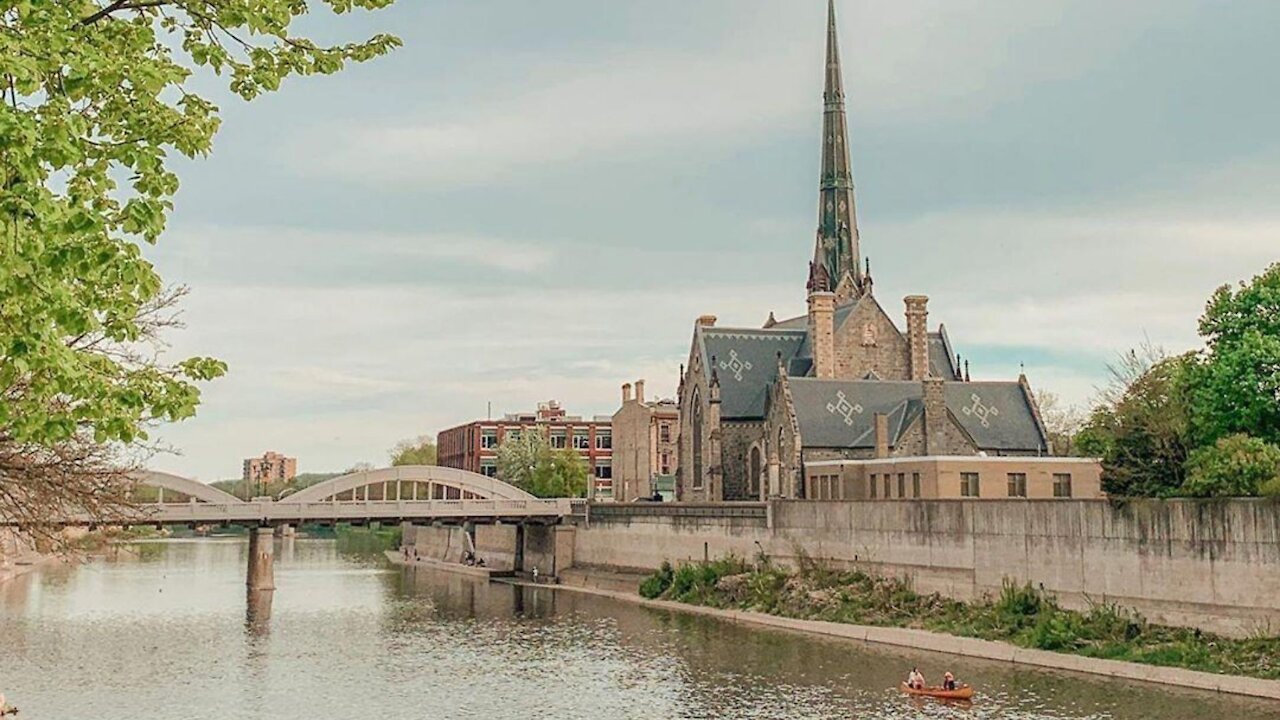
915, 680
948, 681
5, 709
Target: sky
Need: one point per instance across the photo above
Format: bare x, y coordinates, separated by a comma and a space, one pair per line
535, 200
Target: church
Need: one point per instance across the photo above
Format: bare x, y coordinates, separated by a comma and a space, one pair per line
841, 403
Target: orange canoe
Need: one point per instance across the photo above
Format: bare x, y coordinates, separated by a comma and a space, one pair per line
964, 692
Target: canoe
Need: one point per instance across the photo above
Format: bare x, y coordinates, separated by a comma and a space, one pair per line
964, 692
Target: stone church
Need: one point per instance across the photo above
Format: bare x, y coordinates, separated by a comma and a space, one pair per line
843, 382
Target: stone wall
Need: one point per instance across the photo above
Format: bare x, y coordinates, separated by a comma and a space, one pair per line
1207, 564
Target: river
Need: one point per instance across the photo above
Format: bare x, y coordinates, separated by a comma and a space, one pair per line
164, 633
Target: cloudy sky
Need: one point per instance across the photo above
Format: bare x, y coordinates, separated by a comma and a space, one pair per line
535, 200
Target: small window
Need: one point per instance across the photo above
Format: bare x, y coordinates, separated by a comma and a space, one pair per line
888, 491
915, 485
604, 440
604, 469
581, 440
557, 439
665, 464
969, 485
872, 485
1062, 485
489, 470
1017, 485
902, 485
512, 434
489, 439
664, 432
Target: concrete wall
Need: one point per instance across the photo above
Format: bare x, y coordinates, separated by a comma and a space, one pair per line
496, 545
436, 542
1207, 564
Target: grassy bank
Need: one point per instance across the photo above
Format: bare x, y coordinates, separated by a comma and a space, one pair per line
1021, 615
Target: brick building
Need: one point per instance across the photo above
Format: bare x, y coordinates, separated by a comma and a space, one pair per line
474, 445
762, 408
645, 435
271, 467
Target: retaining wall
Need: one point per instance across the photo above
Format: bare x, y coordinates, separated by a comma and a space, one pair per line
1208, 564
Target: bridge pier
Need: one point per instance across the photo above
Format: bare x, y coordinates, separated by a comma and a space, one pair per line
261, 575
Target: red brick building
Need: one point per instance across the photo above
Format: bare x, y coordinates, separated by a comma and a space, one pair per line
474, 446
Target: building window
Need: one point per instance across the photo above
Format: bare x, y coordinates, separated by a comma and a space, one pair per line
581, 440
902, 485
1062, 485
664, 432
557, 439
664, 465
969, 485
1017, 485
604, 440
604, 469
489, 439
871, 485
888, 492
512, 434
696, 442
489, 470
915, 485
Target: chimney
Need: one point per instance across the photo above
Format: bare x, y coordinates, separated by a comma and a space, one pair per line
935, 417
822, 308
707, 320
918, 335
626, 393
882, 435
640, 391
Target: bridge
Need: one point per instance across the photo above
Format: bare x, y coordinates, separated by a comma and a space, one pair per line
411, 493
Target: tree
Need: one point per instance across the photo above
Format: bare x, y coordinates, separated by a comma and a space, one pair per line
1061, 422
530, 463
1235, 466
1237, 387
1143, 435
419, 451
94, 98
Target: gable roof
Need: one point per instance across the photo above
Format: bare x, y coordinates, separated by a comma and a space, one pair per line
746, 362
841, 413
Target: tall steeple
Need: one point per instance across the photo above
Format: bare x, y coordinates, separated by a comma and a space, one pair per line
836, 245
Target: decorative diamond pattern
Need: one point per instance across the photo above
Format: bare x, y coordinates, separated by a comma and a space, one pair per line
982, 411
735, 365
844, 408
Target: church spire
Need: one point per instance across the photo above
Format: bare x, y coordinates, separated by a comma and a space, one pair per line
837, 238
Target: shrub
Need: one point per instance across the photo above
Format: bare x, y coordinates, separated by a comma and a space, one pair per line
657, 583
1234, 466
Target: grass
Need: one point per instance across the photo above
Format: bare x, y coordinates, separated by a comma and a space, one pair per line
1020, 615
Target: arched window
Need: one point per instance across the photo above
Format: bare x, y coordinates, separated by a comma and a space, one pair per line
697, 440
753, 467
783, 474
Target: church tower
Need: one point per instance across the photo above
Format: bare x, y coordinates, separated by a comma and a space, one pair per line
836, 265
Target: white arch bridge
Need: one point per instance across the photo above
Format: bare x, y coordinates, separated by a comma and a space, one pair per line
413, 493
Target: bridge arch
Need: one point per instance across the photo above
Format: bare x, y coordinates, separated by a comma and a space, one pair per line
185, 486
411, 482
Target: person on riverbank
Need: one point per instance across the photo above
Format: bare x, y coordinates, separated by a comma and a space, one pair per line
915, 680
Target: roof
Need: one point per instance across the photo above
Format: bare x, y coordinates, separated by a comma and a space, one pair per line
841, 413
942, 361
746, 361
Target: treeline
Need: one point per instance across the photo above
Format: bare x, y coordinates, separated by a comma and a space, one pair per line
1205, 423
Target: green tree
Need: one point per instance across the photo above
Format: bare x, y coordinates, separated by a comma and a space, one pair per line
530, 463
1235, 466
1141, 428
419, 451
95, 97
1237, 387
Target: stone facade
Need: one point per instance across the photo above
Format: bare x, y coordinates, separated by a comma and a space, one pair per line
645, 443
842, 382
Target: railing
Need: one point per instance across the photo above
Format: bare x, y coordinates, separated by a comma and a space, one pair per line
293, 512
756, 510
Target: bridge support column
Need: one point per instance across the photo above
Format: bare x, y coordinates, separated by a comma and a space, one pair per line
261, 575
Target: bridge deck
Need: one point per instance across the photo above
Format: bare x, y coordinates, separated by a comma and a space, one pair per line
280, 513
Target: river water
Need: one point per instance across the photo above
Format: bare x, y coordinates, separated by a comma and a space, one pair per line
166, 633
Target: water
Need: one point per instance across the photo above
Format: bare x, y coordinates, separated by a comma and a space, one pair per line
166, 634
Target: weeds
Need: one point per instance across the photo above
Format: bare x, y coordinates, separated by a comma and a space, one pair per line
1021, 614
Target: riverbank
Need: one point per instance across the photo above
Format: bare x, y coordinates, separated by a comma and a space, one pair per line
602, 584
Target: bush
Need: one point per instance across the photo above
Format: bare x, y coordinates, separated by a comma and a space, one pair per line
1235, 466
657, 583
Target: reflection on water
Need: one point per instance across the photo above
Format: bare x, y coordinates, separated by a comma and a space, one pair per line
170, 633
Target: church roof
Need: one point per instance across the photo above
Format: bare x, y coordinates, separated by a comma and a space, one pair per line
746, 363
841, 413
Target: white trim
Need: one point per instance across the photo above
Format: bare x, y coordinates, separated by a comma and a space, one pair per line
954, 459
